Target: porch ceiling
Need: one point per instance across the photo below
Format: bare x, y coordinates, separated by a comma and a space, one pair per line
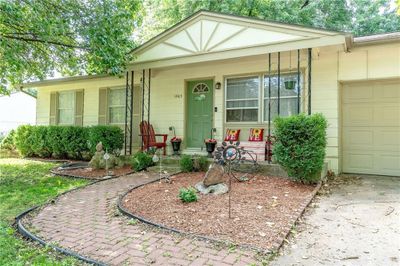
208, 36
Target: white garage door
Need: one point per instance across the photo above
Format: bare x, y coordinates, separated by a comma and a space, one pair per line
371, 127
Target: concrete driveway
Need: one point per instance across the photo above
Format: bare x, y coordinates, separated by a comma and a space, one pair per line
357, 223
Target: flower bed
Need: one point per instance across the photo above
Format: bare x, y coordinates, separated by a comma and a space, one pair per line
263, 209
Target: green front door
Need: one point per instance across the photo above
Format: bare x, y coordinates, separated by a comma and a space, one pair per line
200, 117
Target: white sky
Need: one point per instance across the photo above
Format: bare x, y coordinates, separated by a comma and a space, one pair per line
16, 109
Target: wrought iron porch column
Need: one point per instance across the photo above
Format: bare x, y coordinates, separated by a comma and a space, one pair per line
309, 80
128, 112
143, 90
279, 83
298, 81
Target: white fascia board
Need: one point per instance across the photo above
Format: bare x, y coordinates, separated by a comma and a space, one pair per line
236, 53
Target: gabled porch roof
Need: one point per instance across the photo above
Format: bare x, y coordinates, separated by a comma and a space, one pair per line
207, 36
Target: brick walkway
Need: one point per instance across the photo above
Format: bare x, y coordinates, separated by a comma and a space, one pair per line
87, 221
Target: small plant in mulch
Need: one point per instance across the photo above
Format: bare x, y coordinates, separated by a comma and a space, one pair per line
133, 222
200, 163
188, 194
141, 161
186, 163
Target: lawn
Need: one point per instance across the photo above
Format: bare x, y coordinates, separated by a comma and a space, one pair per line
24, 184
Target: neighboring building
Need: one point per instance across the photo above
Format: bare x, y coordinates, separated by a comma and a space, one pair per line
212, 71
16, 109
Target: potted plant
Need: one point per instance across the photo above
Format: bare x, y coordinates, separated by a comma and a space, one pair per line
175, 142
176, 145
210, 143
290, 84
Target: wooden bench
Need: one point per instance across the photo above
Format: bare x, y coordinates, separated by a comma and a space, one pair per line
258, 147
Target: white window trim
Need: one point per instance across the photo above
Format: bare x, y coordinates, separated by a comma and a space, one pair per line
114, 106
73, 108
250, 99
261, 97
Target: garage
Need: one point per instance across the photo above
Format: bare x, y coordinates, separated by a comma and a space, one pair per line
371, 127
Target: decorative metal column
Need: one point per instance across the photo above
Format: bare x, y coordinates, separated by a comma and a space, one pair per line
268, 149
279, 83
128, 112
269, 94
146, 88
309, 80
143, 90
298, 81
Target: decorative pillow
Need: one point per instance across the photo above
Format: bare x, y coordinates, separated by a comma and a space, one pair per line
232, 134
256, 134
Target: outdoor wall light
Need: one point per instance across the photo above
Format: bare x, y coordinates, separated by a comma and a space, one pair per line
218, 85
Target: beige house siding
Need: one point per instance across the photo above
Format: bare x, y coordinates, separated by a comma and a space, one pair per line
91, 98
330, 68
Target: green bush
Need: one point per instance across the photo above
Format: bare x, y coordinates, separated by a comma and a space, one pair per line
141, 161
56, 141
300, 145
112, 137
186, 163
200, 163
188, 194
75, 142
40, 144
70, 142
23, 140
7, 143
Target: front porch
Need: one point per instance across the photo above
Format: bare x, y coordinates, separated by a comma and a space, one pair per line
202, 101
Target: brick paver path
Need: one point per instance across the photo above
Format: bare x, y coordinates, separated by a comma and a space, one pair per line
87, 221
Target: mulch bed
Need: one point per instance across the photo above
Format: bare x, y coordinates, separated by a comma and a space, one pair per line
262, 208
91, 173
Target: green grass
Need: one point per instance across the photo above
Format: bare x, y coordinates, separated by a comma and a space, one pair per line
24, 184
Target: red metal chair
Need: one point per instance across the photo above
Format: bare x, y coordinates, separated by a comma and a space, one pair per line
149, 137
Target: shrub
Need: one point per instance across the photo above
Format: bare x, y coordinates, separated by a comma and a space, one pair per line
23, 141
112, 137
200, 163
70, 142
300, 145
75, 142
56, 141
40, 144
188, 194
8, 142
141, 161
186, 163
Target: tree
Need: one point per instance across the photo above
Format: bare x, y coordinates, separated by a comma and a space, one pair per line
41, 37
361, 17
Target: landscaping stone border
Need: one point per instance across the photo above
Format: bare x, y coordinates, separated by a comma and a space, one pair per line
52, 171
276, 246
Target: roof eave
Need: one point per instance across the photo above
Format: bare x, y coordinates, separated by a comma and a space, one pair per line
49, 82
377, 39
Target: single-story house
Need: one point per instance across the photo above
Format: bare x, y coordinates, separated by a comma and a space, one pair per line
219, 71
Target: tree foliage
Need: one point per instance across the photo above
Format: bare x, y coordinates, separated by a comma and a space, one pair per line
361, 17
39, 38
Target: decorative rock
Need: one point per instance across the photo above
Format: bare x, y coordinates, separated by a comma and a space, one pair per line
98, 161
213, 189
99, 147
214, 175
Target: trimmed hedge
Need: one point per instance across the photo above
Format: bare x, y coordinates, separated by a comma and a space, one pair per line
69, 142
7, 143
300, 145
